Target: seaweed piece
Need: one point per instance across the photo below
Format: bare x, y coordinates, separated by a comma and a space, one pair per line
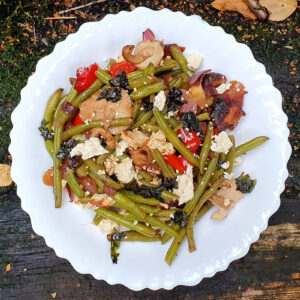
169, 183
66, 148
114, 247
75, 160
245, 184
45, 132
117, 236
180, 218
190, 121
174, 100
220, 163
120, 80
113, 95
148, 105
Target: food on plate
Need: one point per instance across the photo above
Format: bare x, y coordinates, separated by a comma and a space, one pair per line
146, 144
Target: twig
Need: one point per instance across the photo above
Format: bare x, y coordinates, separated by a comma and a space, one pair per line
60, 18
80, 6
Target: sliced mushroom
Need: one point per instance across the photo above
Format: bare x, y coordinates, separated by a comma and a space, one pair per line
145, 52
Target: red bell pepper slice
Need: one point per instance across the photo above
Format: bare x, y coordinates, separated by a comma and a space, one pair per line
216, 131
190, 139
85, 77
167, 51
123, 65
77, 120
175, 162
185, 162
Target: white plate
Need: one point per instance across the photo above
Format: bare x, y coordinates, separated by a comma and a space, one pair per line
69, 231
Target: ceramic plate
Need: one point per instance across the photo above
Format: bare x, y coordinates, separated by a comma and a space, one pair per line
69, 230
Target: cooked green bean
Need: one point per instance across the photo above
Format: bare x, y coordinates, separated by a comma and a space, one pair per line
49, 147
135, 74
79, 137
133, 236
164, 167
192, 216
241, 149
147, 90
145, 175
172, 121
173, 138
150, 69
103, 76
84, 200
175, 72
173, 249
140, 199
82, 170
206, 147
142, 119
203, 117
184, 81
97, 219
98, 181
209, 101
166, 213
150, 127
142, 81
168, 64
139, 227
136, 108
169, 196
73, 184
146, 208
102, 158
231, 155
111, 62
181, 60
57, 185
175, 82
58, 108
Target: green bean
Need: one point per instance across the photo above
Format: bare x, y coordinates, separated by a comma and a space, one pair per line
79, 137
150, 69
209, 101
136, 109
169, 196
146, 208
175, 72
135, 74
241, 149
203, 117
150, 127
57, 185
129, 205
142, 119
147, 90
164, 167
121, 122
142, 81
73, 184
123, 156
231, 155
97, 219
181, 60
103, 76
84, 200
166, 213
147, 183
82, 170
145, 175
152, 120
206, 147
175, 82
139, 227
98, 181
168, 64
172, 121
173, 249
49, 147
102, 158
184, 81
192, 217
140, 199
58, 108
111, 62
133, 236
51, 106
173, 138
161, 225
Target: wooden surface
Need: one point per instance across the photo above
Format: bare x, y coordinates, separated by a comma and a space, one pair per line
271, 269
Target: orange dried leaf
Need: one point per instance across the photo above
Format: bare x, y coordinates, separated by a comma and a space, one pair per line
234, 5
8, 268
279, 9
5, 179
53, 295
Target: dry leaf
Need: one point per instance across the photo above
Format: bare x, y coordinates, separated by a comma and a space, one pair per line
53, 295
279, 9
5, 179
8, 268
235, 5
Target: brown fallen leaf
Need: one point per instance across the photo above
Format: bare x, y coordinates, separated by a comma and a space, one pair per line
234, 5
5, 179
53, 295
8, 268
279, 9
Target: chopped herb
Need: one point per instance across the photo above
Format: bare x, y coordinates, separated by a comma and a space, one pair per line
116, 237
174, 100
148, 105
120, 80
190, 121
112, 95
245, 184
180, 218
66, 148
75, 161
45, 132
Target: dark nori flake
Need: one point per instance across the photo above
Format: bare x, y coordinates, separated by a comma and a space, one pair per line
245, 184
174, 100
117, 236
120, 80
169, 183
180, 218
220, 163
112, 95
148, 105
66, 148
102, 141
190, 121
114, 247
75, 161
45, 132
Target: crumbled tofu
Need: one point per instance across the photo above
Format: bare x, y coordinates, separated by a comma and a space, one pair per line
158, 141
101, 172
228, 176
88, 149
221, 143
125, 171
160, 100
225, 165
109, 226
185, 189
110, 164
63, 183
120, 58
156, 180
104, 200
222, 88
237, 161
194, 61
121, 147
171, 114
